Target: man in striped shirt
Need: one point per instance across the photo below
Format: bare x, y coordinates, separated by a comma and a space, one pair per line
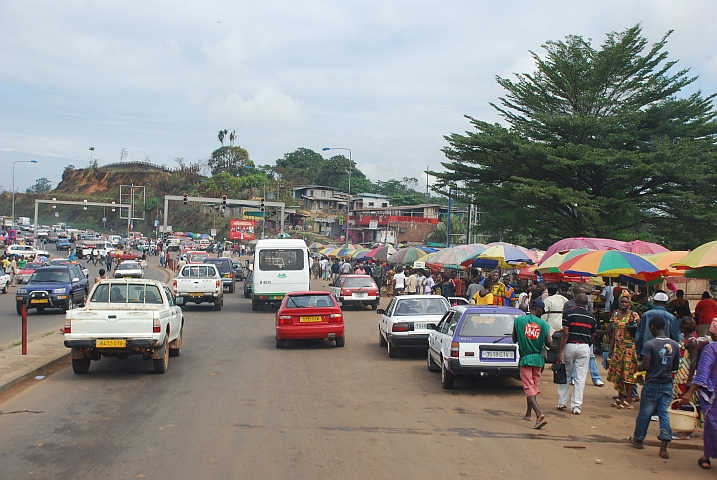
579, 327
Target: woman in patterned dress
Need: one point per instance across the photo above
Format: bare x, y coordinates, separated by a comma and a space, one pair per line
623, 354
689, 348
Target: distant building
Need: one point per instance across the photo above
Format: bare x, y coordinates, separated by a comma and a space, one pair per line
321, 199
409, 223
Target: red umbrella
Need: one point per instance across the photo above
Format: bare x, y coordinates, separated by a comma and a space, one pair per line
636, 246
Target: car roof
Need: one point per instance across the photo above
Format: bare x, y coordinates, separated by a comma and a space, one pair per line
353, 275
487, 309
427, 295
309, 292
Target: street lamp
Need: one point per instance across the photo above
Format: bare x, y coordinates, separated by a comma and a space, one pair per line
13, 186
348, 202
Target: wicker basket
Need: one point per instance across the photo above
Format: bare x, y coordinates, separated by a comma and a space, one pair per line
682, 420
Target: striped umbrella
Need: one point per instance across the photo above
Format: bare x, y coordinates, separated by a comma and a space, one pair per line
316, 246
702, 256
447, 256
406, 256
608, 263
505, 254
552, 264
381, 253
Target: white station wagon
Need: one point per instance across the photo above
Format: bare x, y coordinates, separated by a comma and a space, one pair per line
408, 320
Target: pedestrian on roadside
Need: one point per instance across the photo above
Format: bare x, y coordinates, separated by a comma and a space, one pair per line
660, 356
705, 312
623, 355
399, 281
428, 284
532, 333
579, 328
13, 269
108, 262
102, 276
592, 366
672, 326
411, 284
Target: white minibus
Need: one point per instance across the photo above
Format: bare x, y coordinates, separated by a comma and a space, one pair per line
280, 266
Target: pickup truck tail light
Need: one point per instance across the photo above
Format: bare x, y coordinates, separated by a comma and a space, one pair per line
174, 285
68, 326
336, 318
157, 326
455, 348
400, 327
285, 320
219, 283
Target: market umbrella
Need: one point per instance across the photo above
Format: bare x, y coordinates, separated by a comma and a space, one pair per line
382, 252
552, 264
702, 256
333, 252
406, 256
608, 263
343, 252
702, 272
316, 246
447, 256
506, 255
572, 243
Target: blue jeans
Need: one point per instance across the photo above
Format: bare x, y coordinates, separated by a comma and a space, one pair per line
594, 372
654, 396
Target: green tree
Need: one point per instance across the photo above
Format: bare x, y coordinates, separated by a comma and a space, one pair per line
597, 144
334, 172
42, 185
300, 166
233, 160
400, 192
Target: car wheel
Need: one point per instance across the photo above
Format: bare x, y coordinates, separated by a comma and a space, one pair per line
18, 308
254, 305
280, 343
68, 306
177, 350
232, 287
381, 340
340, 341
432, 365
81, 365
392, 351
374, 306
218, 305
447, 378
160, 365
4, 289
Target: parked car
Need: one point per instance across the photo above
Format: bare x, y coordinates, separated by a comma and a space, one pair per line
63, 243
224, 265
309, 315
408, 320
61, 286
24, 274
476, 341
129, 269
356, 290
247, 284
123, 318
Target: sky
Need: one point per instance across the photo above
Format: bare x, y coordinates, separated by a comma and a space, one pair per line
387, 79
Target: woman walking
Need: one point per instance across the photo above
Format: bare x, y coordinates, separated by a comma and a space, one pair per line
689, 350
704, 383
623, 354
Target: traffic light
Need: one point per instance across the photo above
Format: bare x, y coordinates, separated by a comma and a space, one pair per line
262, 204
185, 198
224, 203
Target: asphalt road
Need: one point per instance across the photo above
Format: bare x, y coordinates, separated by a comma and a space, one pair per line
233, 406
51, 320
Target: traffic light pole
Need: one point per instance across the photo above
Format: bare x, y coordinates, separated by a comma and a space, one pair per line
244, 203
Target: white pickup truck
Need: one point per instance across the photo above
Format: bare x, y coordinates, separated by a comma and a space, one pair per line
126, 317
199, 283
4, 282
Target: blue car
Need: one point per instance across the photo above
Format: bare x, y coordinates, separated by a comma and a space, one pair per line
53, 287
63, 244
474, 341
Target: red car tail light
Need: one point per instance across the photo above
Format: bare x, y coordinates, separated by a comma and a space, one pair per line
400, 327
345, 293
336, 318
455, 348
219, 282
285, 320
157, 326
68, 326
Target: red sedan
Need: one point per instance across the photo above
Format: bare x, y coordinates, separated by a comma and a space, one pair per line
309, 315
124, 255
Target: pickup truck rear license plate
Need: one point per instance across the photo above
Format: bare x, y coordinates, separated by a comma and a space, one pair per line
40, 300
507, 354
309, 319
196, 294
110, 343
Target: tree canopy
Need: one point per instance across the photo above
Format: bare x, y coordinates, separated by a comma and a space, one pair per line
233, 160
597, 143
42, 185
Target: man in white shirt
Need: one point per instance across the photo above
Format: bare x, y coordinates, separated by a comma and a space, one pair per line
554, 305
411, 284
399, 282
428, 285
346, 267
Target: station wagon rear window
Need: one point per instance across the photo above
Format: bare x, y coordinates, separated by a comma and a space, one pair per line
487, 325
407, 307
281, 259
358, 282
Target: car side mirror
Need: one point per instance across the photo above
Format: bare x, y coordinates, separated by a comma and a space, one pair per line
380, 311
75, 280
179, 301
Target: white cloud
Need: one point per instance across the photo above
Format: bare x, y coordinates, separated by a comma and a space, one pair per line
269, 106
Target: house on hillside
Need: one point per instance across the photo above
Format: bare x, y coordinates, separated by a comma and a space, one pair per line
321, 199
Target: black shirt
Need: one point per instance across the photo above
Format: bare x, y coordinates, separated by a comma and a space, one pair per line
581, 325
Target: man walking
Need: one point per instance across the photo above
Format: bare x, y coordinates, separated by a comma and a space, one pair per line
660, 356
108, 262
531, 333
671, 328
594, 371
579, 328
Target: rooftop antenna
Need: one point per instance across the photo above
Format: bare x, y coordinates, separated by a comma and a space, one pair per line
123, 154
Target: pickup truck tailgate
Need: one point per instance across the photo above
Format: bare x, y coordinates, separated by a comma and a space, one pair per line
189, 285
112, 324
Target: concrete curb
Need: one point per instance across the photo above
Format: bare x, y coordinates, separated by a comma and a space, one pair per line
33, 371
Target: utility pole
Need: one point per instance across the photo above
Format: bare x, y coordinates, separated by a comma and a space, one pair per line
448, 220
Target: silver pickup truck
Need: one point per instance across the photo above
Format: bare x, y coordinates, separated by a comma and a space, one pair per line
126, 317
199, 283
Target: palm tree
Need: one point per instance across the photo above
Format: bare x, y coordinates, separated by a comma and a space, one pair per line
222, 135
232, 137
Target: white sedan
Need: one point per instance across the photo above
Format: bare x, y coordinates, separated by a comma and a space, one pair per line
129, 269
408, 320
24, 251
